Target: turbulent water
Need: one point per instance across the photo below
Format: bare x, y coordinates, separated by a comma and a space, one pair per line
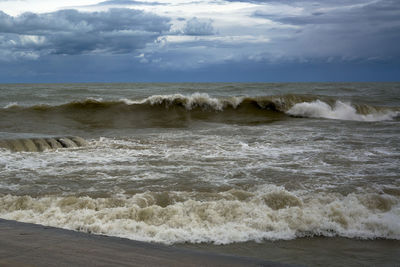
206, 163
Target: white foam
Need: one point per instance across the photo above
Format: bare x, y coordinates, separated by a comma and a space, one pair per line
269, 213
11, 105
190, 102
128, 101
95, 99
340, 111
202, 100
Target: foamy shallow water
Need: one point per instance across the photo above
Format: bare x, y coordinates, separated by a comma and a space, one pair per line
222, 168
269, 213
222, 184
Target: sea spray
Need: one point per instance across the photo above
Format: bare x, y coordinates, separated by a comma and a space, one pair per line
339, 111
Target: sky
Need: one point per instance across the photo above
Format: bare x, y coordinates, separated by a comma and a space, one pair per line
199, 40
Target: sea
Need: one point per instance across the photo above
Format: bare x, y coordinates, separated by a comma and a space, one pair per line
301, 173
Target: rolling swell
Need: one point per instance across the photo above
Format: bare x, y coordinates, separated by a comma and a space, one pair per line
41, 144
179, 111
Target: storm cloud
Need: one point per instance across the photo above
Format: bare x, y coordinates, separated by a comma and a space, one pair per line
167, 38
70, 32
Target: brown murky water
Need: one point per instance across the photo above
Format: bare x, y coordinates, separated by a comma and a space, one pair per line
298, 173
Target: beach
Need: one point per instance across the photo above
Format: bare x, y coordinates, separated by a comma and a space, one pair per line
23, 244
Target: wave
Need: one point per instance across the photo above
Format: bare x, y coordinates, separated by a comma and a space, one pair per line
178, 110
296, 105
195, 101
340, 111
11, 105
269, 213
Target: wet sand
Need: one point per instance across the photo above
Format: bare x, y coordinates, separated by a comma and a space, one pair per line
315, 251
24, 244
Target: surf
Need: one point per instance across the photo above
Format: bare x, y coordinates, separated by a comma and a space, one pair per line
97, 116
341, 111
267, 213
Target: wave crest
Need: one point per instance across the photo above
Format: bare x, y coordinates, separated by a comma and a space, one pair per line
196, 100
340, 111
200, 106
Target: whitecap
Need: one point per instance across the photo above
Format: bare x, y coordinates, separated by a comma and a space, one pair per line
340, 111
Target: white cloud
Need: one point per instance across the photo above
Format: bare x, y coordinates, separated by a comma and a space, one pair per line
17, 7
196, 26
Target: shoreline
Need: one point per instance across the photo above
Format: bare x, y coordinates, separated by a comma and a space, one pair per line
26, 244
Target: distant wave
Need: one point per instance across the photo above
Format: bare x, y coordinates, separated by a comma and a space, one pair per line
175, 109
11, 105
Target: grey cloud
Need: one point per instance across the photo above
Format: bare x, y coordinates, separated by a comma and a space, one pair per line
72, 32
127, 2
302, 2
197, 26
378, 12
361, 31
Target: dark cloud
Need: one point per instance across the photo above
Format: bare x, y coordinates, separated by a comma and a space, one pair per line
301, 40
197, 26
72, 32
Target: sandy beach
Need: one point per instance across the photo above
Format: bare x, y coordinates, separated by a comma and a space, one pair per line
24, 244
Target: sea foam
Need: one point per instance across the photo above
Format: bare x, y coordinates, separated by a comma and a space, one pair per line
190, 102
269, 213
339, 111
11, 105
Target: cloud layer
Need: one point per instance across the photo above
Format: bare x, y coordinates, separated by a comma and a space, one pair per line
70, 32
184, 35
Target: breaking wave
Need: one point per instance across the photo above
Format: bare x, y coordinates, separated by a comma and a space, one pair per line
340, 111
270, 213
177, 109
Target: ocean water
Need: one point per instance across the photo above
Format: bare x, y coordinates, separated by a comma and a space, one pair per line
289, 172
